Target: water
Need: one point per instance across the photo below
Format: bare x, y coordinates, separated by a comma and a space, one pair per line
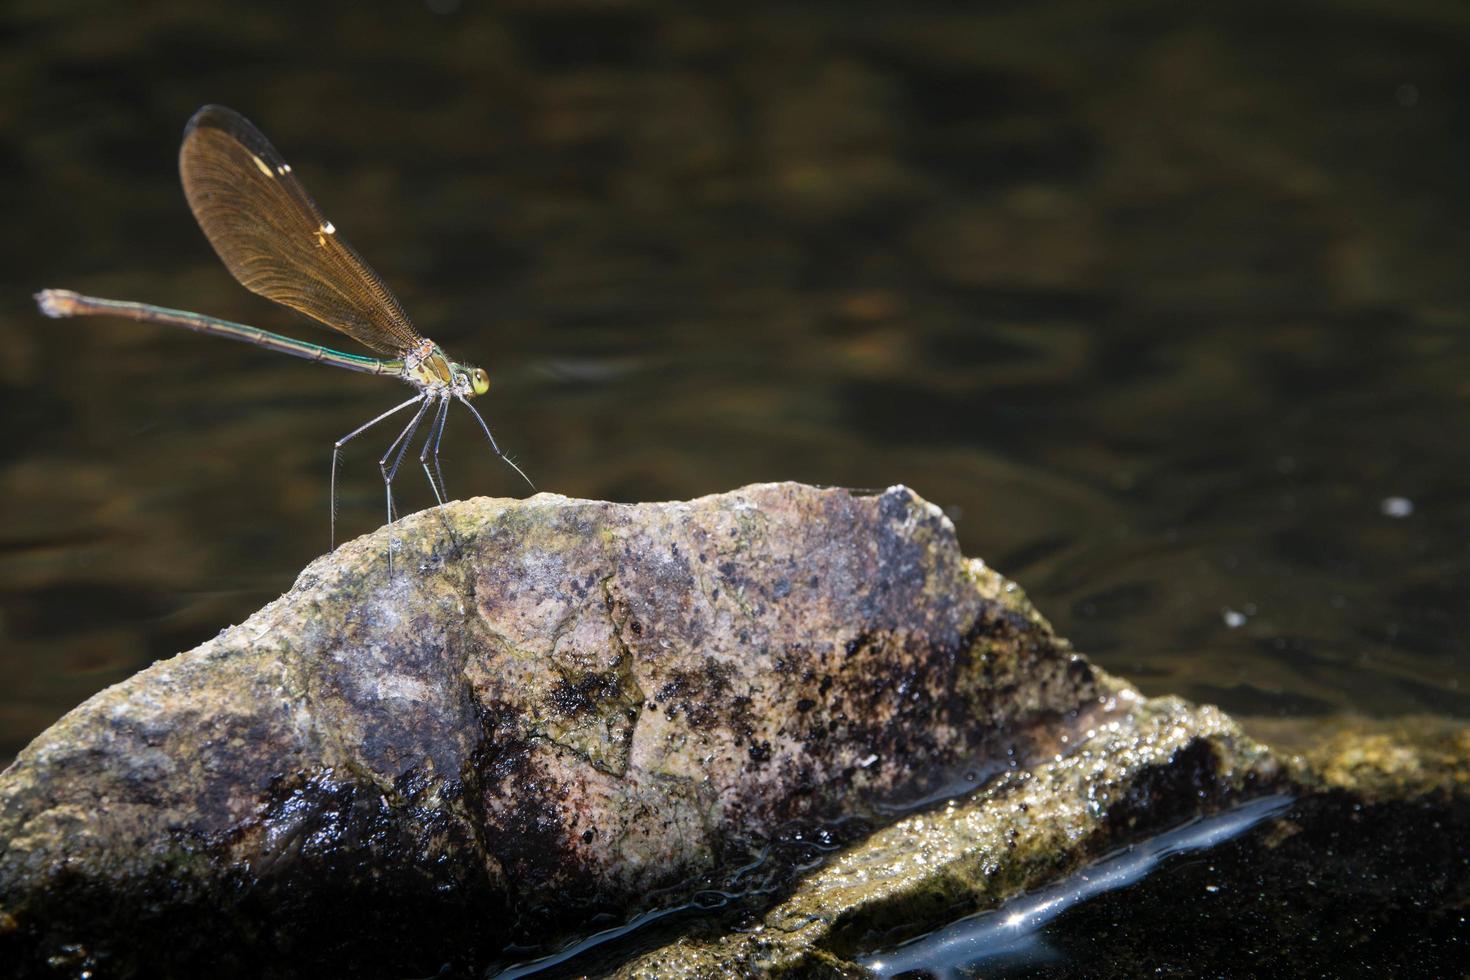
1166, 306
1162, 305
1325, 889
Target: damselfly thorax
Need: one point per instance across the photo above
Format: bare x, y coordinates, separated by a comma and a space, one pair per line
276, 242
431, 370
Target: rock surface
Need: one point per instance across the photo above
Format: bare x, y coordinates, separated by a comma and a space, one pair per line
549, 706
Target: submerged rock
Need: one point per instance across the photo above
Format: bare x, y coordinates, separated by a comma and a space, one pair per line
545, 707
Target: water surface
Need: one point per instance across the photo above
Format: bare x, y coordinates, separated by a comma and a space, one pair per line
1166, 306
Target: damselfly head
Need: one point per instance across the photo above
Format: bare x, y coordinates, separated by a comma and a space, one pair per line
470, 381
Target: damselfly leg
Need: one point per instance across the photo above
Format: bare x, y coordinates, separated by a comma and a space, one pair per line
397, 450
337, 453
431, 451
493, 447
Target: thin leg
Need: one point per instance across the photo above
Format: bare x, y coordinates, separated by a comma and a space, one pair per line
431, 448
430, 455
397, 451
440, 434
494, 448
337, 453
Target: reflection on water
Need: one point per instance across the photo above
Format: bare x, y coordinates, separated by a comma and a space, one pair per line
1012, 935
1160, 302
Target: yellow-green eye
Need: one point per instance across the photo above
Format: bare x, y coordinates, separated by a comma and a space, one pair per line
479, 381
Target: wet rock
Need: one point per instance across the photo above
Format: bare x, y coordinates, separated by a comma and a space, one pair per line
1409, 758
547, 708
1366, 818
1122, 768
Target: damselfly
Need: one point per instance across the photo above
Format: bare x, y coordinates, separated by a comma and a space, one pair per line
275, 240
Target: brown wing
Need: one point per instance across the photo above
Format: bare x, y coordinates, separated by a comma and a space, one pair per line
274, 239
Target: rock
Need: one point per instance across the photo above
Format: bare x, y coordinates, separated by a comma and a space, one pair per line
549, 707
1408, 758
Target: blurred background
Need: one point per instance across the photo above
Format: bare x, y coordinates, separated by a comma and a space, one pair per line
1165, 304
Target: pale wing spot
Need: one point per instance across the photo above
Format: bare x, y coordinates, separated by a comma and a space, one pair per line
285, 168
323, 230
261, 164
329, 228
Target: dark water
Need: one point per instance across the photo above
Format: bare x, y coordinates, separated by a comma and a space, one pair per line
1161, 303
1330, 889
1165, 303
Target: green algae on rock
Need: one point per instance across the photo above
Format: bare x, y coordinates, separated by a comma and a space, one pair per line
553, 705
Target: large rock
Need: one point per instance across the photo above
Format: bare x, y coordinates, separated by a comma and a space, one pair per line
536, 709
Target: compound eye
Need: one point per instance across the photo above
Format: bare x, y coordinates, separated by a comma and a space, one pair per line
479, 381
